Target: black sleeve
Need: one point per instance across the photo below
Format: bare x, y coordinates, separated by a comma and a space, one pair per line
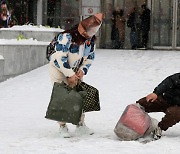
168, 83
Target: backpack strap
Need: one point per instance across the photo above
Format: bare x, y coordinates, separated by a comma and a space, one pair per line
51, 47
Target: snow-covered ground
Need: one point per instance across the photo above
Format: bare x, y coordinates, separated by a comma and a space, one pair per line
122, 77
31, 28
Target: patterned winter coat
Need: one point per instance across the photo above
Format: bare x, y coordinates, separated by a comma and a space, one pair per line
169, 89
68, 56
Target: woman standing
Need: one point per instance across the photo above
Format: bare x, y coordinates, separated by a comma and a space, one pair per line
74, 54
4, 14
120, 25
131, 23
114, 30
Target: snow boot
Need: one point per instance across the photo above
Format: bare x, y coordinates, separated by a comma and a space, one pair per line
63, 131
83, 130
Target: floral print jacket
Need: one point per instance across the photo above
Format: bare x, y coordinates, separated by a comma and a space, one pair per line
69, 56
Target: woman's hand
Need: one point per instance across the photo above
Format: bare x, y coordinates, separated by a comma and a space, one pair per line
80, 74
72, 81
151, 97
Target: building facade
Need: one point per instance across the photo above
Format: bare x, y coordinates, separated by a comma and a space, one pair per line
165, 17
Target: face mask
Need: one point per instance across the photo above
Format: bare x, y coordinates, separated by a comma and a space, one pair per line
93, 30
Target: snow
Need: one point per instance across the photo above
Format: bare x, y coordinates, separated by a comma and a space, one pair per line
31, 28
30, 41
1, 57
121, 76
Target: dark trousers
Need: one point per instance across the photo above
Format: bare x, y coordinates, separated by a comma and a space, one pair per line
116, 44
133, 39
172, 112
145, 35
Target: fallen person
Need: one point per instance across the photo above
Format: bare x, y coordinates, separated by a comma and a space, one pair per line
135, 123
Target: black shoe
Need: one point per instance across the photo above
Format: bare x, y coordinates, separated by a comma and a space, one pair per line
157, 133
134, 47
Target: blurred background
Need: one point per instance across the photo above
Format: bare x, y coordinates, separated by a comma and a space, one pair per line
164, 26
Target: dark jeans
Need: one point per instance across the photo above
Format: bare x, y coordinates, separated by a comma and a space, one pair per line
133, 39
145, 35
172, 112
116, 44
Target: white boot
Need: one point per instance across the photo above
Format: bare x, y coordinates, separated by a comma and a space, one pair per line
63, 131
83, 130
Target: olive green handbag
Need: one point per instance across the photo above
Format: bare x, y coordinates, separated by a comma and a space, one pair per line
66, 103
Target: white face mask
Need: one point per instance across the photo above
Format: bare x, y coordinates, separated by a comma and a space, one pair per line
93, 30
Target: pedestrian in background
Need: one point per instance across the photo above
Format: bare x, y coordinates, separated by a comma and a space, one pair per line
145, 25
114, 29
4, 13
131, 23
120, 25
